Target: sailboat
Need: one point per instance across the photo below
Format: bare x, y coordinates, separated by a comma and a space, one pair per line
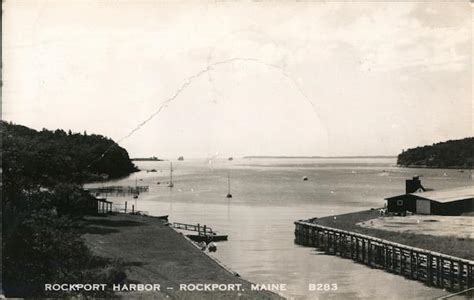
229, 195
170, 184
136, 190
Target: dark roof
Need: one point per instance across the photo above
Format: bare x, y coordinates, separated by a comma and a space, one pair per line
102, 199
443, 196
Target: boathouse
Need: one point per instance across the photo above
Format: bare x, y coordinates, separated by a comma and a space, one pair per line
102, 205
439, 202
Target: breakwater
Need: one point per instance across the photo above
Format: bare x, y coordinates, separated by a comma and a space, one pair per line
432, 268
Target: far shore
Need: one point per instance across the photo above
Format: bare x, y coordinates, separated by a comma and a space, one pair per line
154, 253
434, 167
321, 157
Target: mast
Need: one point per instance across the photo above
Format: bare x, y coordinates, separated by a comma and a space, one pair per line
171, 175
229, 195
136, 193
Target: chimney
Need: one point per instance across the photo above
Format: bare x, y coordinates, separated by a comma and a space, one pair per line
413, 185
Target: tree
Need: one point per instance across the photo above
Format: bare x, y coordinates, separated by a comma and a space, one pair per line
43, 204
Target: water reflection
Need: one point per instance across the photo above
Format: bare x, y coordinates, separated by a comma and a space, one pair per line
268, 195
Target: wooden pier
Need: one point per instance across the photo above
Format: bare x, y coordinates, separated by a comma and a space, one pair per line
202, 230
118, 190
205, 233
432, 268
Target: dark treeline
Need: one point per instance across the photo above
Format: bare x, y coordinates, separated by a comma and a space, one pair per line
44, 205
51, 156
450, 154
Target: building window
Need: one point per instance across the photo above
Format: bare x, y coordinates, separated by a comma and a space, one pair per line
399, 202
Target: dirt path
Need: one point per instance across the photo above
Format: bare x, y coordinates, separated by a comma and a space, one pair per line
156, 254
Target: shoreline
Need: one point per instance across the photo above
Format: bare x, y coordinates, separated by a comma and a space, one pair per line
154, 253
434, 168
221, 264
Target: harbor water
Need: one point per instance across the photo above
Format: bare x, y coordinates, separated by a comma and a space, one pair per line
268, 196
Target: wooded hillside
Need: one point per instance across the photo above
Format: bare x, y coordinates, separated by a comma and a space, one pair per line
449, 154
51, 156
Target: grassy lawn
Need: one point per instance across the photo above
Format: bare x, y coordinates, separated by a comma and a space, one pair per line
154, 253
458, 247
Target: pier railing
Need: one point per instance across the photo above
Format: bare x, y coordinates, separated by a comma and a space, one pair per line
432, 268
201, 229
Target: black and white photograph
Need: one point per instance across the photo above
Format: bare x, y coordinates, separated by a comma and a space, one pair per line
296, 150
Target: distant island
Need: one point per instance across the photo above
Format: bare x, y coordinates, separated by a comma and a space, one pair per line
325, 157
449, 154
153, 158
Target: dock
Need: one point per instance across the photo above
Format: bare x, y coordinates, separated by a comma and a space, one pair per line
118, 190
204, 233
432, 268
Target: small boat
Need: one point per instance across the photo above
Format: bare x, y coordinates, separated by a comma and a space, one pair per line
305, 178
180, 158
231, 158
135, 196
165, 217
202, 245
212, 247
207, 238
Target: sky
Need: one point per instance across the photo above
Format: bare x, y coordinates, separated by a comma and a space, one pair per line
202, 79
